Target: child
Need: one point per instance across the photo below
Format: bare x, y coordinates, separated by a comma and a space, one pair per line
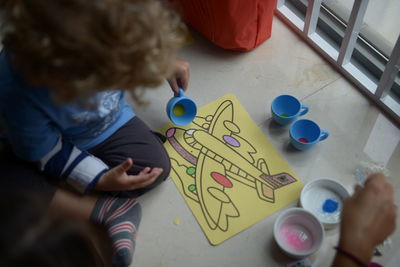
60, 69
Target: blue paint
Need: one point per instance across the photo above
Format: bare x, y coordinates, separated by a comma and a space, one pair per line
330, 206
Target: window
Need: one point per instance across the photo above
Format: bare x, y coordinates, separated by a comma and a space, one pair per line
360, 37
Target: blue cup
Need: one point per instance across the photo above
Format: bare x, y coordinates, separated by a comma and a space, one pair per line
304, 134
286, 108
181, 110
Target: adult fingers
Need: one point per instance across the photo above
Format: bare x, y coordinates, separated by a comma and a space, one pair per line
389, 191
357, 188
375, 179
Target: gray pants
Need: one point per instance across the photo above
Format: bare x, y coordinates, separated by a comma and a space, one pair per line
135, 140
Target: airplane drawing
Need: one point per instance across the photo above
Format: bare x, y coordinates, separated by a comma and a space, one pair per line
214, 158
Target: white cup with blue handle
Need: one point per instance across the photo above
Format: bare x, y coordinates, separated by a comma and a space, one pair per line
286, 109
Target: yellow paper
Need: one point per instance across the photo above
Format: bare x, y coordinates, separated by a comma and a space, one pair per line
228, 173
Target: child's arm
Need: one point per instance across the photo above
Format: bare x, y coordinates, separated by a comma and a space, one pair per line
79, 168
86, 172
35, 137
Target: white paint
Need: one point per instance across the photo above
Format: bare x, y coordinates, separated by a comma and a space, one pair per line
316, 192
314, 200
191, 131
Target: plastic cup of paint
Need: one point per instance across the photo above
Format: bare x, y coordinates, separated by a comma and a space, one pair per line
286, 108
304, 134
181, 110
324, 198
298, 232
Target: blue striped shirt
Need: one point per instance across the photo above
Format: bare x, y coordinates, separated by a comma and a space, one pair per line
58, 136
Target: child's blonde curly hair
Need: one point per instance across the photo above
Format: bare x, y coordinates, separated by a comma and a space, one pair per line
77, 47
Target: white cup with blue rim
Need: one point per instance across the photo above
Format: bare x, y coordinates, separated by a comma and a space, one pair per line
304, 134
286, 109
181, 110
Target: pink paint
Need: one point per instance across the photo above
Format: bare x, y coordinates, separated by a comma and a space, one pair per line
296, 237
170, 132
222, 180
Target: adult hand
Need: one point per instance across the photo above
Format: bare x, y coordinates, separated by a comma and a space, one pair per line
180, 76
368, 217
117, 179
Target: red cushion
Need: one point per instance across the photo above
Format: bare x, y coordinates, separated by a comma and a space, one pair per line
231, 24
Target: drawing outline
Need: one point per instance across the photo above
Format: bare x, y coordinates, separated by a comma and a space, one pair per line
214, 143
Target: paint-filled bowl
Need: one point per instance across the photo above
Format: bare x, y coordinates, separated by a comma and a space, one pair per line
324, 198
298, 232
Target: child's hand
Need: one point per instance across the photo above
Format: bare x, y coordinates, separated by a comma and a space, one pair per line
180, 75
117, 179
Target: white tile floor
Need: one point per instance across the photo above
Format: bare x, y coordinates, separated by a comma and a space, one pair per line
283, 64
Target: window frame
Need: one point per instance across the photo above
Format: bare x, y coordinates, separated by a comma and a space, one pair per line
374, 72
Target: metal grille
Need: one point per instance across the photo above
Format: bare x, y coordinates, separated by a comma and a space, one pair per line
378, 92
